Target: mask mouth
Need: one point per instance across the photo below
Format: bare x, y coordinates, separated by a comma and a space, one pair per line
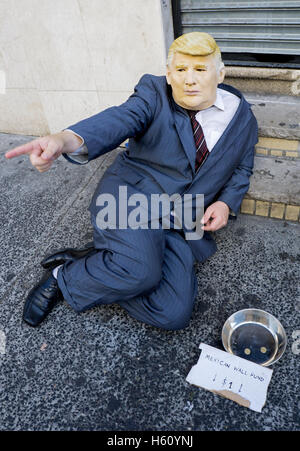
191, 92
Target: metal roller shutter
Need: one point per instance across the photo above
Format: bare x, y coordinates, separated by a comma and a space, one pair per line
245, 30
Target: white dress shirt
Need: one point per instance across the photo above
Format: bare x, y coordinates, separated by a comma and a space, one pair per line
213, 120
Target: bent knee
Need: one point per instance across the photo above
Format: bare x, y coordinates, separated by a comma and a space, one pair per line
148, 278
142, 280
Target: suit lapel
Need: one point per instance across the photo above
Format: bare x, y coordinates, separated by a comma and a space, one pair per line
184, 130
183, 127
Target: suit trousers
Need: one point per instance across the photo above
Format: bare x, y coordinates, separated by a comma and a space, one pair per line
150, 273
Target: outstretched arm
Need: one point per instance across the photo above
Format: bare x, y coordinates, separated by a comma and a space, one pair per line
101, 133
106, 130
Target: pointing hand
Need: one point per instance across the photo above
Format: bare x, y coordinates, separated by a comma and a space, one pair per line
43, 151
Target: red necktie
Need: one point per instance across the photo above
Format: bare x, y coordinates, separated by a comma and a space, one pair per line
201, 147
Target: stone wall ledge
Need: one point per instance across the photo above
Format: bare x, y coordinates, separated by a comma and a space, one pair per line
264, 80
278, 116
262, 73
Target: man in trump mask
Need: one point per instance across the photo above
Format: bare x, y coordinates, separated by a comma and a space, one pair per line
189, 134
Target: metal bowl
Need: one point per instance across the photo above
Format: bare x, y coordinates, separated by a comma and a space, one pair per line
254, 335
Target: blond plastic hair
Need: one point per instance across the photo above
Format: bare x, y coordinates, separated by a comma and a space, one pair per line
196, 44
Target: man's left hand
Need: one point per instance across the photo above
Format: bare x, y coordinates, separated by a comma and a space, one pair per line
215, 216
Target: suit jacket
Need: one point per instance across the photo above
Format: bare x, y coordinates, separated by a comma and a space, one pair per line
161, 153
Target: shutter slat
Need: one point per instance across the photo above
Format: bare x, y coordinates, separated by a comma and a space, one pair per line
243, 26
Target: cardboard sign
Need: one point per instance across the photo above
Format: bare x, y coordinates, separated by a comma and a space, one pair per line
230, 376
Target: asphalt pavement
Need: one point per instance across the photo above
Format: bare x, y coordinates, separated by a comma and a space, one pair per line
102, 370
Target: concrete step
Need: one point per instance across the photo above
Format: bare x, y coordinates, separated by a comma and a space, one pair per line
275, 185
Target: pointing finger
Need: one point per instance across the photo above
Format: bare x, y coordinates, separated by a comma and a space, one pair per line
21, 150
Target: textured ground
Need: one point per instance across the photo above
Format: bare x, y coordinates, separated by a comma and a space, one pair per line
102, 370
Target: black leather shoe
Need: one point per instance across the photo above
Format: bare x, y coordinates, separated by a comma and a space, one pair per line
41, 300
61, 256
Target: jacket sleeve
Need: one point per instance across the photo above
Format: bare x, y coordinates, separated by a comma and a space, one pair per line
237, 186
108, 129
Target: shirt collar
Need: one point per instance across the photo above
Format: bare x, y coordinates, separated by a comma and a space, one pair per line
219, 101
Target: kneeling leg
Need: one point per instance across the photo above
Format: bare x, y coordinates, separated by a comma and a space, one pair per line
125, 264
170, 304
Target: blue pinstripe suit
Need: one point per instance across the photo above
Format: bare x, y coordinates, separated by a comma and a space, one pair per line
150, 272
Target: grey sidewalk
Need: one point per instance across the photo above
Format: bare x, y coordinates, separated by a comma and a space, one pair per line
102, 370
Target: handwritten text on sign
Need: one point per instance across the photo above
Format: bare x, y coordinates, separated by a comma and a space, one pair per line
235, 378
